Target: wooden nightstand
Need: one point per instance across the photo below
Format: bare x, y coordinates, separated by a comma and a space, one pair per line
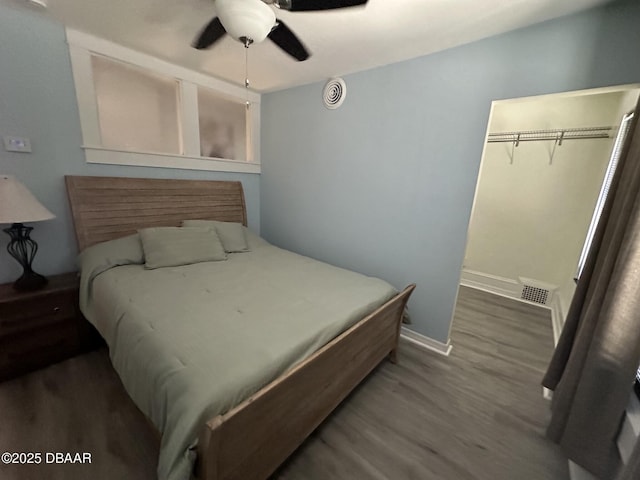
42, 327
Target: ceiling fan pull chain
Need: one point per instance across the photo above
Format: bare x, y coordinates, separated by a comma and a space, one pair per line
247, 42
247, 117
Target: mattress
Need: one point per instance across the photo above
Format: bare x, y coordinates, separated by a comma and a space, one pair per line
191, 342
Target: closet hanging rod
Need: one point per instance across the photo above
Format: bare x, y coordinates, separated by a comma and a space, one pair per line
559, 135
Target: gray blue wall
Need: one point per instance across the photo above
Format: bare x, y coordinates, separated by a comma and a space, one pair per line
37, 100
384, 185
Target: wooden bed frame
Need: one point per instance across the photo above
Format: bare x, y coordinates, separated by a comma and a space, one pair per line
250, 441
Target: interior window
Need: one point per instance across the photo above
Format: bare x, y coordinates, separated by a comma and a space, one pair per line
137, 110
223, 126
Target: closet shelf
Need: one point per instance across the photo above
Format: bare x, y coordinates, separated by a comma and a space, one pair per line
559, 135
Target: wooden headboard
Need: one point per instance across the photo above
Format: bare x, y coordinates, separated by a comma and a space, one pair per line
105, 208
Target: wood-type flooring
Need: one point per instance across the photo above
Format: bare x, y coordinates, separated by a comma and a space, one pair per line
478, 414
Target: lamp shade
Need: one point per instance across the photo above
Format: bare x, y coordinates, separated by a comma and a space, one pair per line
18, 205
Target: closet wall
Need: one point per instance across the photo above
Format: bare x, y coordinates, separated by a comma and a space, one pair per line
533, 203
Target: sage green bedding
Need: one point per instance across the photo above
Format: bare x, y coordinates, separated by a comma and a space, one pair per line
192, 341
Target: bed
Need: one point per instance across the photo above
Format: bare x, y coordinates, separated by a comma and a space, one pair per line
250, 435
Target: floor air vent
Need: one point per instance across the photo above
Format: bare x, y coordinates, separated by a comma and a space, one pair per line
535, 294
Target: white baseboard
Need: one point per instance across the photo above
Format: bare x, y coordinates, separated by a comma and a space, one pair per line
505, 287
425, 342
557, 318
501, 286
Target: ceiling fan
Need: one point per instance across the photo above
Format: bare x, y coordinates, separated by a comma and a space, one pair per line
251, 21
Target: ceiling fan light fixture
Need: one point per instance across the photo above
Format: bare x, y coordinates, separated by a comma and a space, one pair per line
38, 3
282, 4
251, 19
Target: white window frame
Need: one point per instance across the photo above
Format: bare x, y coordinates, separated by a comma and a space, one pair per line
81, 48
616, 152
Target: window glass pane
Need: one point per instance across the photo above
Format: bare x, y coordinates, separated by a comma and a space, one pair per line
137, 110
223, 126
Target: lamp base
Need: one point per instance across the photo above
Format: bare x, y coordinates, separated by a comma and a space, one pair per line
29, 281
23, 249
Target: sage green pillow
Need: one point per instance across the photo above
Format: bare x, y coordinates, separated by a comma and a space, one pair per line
174, 246
101, 257
231, 234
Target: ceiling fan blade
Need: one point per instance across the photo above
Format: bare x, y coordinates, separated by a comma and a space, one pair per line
282, 36
210, 34
314, 5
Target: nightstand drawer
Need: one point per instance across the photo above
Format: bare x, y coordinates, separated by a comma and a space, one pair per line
25, 351
41, 327
33, 313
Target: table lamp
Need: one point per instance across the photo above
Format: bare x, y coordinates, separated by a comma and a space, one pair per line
18, 205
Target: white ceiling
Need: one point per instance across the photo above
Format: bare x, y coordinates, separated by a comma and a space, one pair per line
341, 41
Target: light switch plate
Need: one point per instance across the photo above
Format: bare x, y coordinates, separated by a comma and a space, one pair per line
17, 144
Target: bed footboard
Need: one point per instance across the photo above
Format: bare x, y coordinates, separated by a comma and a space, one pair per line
252, 440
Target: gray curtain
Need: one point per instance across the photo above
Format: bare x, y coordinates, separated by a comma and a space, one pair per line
632, 470
593, 367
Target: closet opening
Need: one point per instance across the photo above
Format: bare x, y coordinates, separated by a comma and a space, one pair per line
545, 172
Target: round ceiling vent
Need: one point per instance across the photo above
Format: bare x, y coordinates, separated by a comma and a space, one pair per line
334, 92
